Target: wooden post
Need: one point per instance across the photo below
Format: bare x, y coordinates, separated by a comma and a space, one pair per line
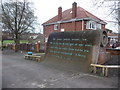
106, 72
94, 69
26, 47
103, 70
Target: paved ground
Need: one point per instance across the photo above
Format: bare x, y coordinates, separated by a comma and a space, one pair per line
20, 73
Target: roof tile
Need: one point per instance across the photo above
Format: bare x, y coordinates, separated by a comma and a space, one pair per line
67, 15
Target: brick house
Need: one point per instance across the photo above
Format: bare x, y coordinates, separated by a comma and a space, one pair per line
73, 19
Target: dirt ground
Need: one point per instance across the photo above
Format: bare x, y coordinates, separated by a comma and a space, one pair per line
20, 73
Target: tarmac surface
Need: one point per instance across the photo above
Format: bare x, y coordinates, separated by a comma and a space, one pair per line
0, 69
20, 73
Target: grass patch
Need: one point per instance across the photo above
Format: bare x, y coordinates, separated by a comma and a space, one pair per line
5, 42
23, 41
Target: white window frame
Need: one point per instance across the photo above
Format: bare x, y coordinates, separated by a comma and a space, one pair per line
91, 25
56, 27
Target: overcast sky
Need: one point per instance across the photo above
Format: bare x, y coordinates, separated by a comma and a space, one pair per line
46, 9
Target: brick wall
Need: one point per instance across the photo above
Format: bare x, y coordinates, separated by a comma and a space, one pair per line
103, 27
71, 26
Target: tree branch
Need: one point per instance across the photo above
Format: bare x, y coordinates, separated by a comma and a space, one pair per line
6, 18
21, 15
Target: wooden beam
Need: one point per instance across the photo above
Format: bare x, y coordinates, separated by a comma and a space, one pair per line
104, 68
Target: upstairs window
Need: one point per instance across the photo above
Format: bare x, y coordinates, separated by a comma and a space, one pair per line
56, 27
91, 25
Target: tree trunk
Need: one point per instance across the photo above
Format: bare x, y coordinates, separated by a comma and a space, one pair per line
17, 42
2, 44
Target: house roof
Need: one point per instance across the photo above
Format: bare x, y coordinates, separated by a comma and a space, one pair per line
81, 14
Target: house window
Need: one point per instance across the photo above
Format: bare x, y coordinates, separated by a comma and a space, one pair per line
62, 29
98, 26
91, 25
46, 39
55, 27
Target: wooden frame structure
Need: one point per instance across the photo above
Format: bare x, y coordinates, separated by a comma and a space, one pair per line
104, 68
33, 57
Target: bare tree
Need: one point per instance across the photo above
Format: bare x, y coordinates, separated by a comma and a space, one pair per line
114, 8
18, 18
111, 5
119, 22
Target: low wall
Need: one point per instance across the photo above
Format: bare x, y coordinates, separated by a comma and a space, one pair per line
27, 47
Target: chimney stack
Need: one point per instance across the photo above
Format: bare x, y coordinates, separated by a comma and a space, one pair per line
59, 13
74, 10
